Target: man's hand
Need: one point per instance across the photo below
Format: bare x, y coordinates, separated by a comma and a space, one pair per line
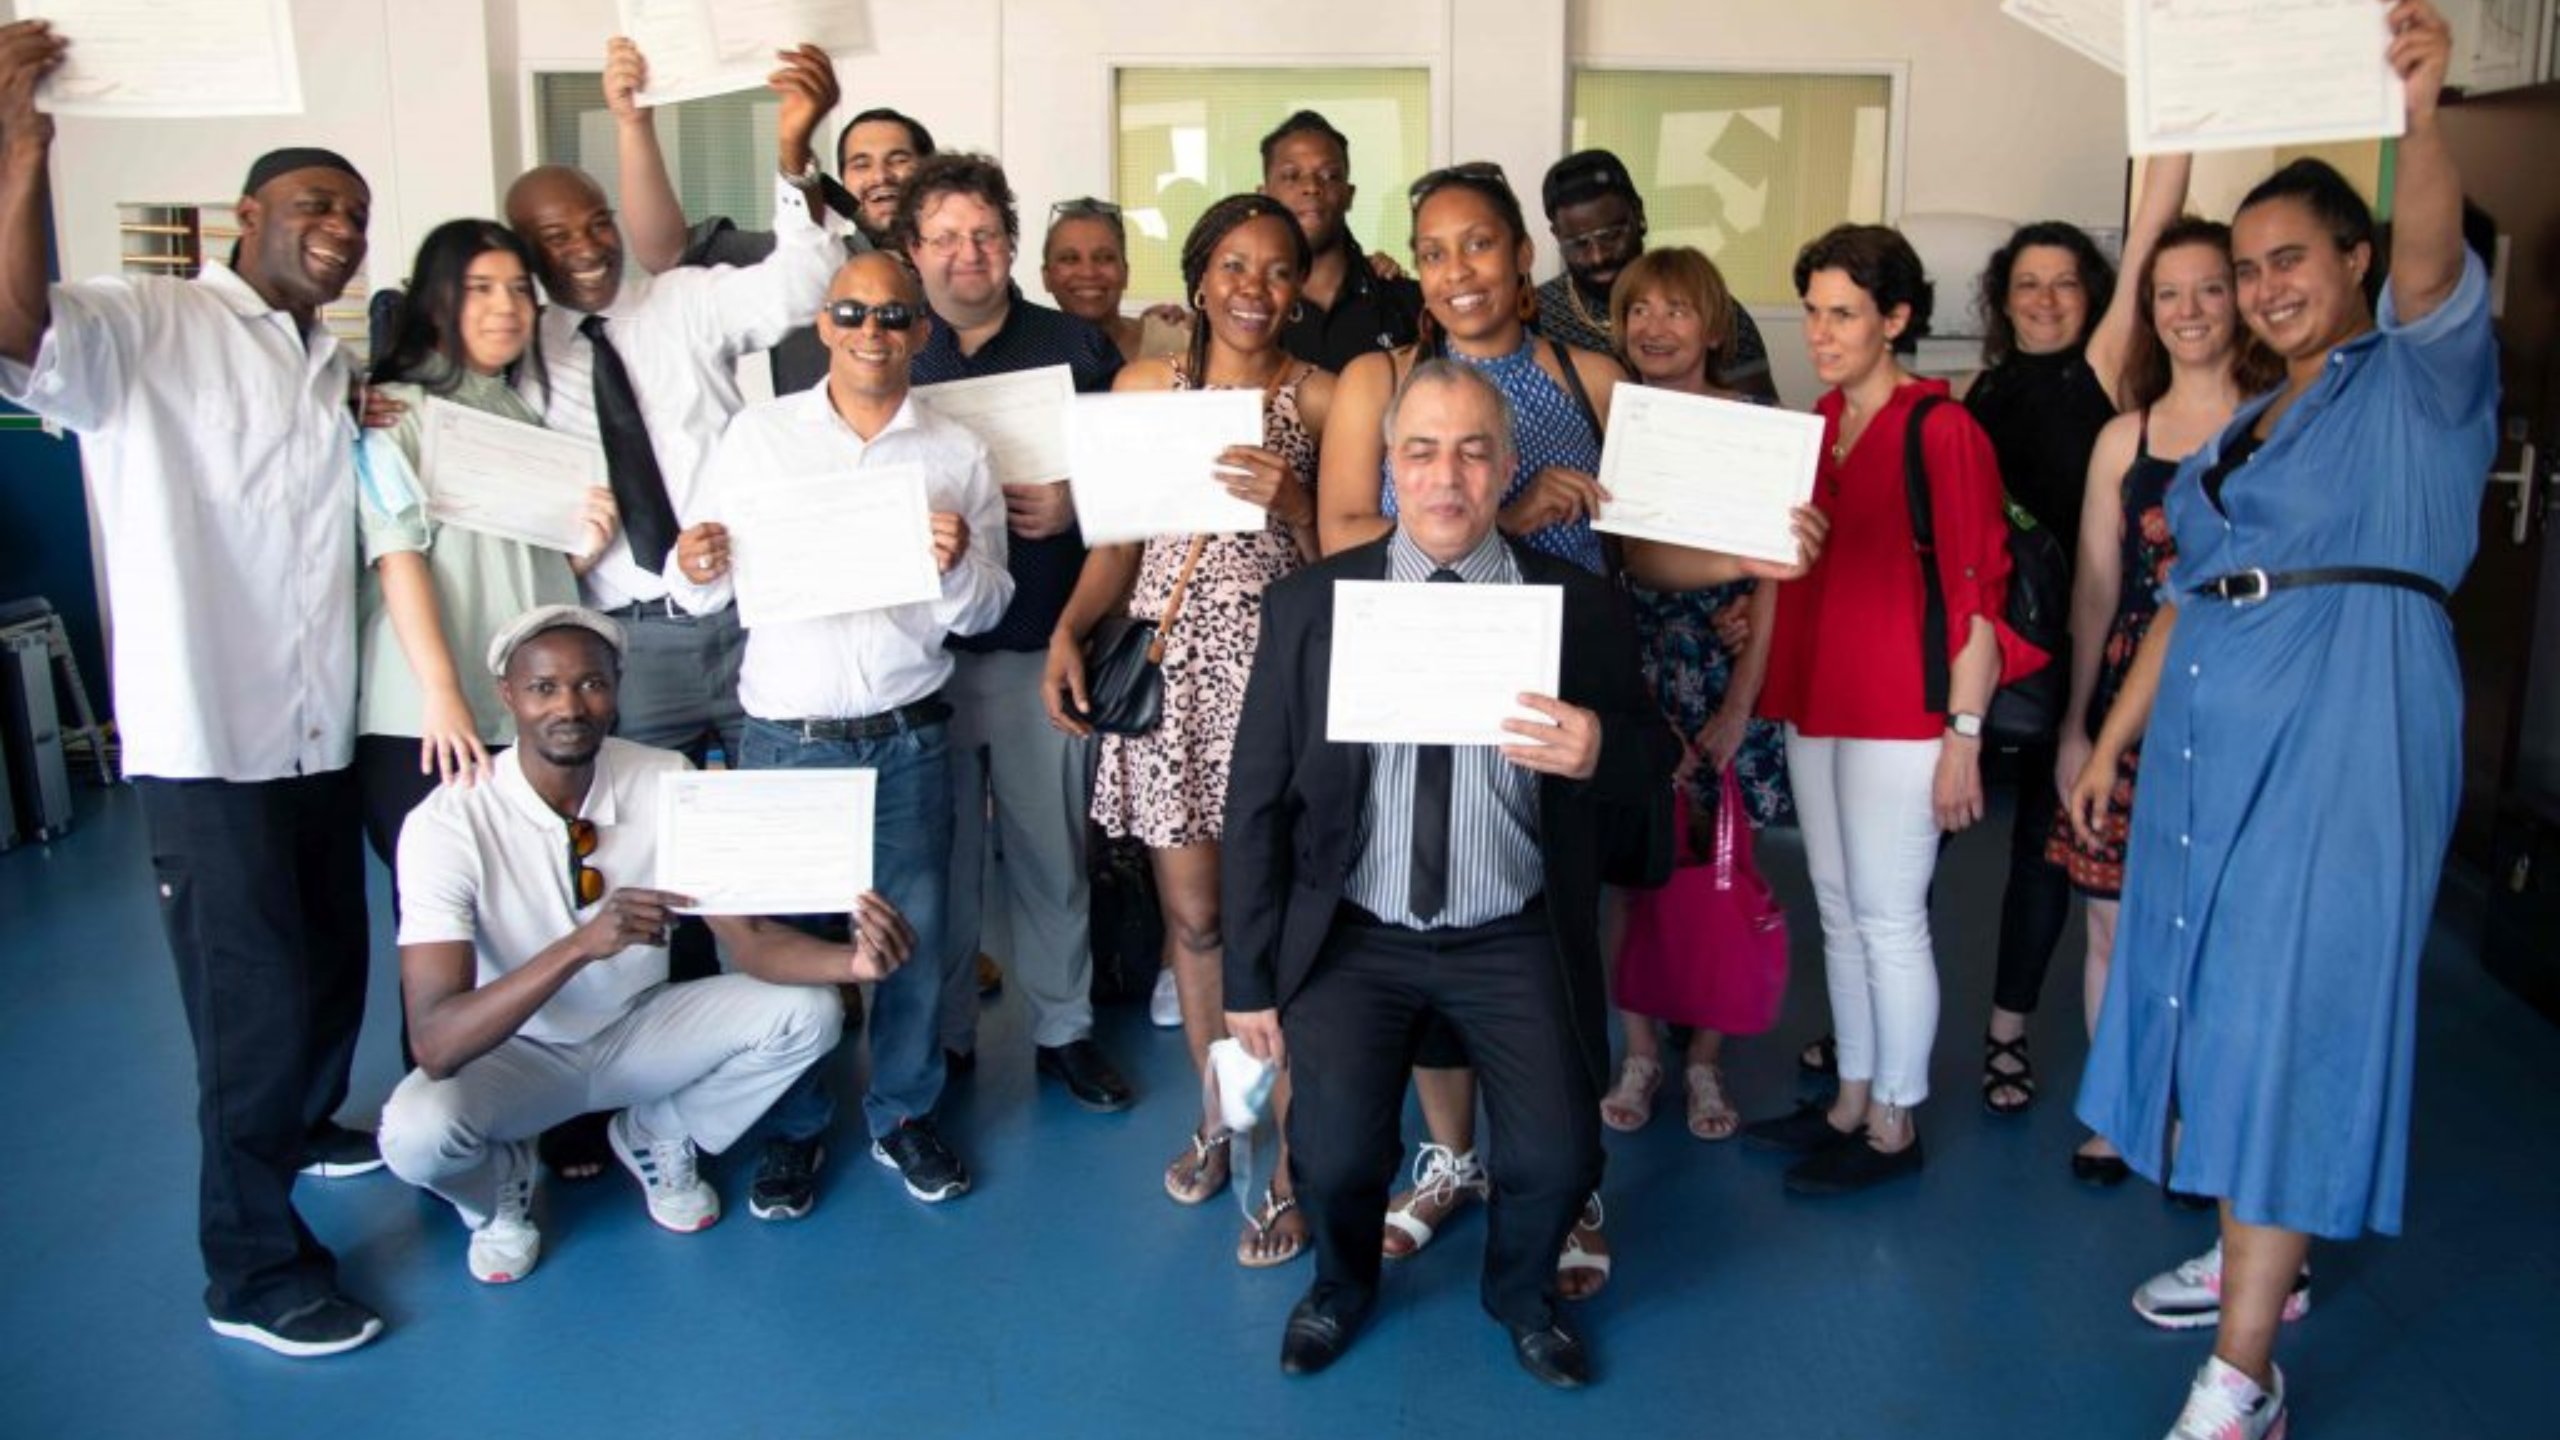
1384, 266
1258, 1031
950, 539
29, 51
626, 918
1570, 747
1555, 496
807, 84
1036, 512
703, 552
882, 938
626, 74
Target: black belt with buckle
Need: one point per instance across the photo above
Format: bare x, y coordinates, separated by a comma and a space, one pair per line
931, 710
2249, 587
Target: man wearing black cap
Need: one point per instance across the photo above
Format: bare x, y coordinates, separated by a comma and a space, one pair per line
1597, 217
220, 450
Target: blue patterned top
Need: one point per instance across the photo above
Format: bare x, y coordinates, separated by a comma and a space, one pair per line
1548, 428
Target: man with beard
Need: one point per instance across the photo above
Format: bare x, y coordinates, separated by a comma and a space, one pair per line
1348, 307
214, 416
535, 991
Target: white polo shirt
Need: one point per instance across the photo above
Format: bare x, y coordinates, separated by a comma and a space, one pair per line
490, 865
221, 452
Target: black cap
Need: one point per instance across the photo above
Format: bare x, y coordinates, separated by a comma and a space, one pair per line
300, 157
1585, 175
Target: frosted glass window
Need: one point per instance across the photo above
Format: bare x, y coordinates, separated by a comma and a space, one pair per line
720, 150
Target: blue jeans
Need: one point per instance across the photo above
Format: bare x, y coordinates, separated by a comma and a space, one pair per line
911, 851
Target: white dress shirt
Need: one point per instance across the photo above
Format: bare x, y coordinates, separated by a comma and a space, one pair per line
488, 865
221, 452
844, 667
680, 335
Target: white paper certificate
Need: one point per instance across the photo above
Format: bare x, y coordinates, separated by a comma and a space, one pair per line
1440, 664
2243, 74
1021, 418
1146, 464
834, 544
506, 478
2095, 28
1709, 474
766, 842
718, 47
171, 58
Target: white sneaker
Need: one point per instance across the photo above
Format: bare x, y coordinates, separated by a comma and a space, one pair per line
679, 1198
506, 1249
1164, 1007
2190, 1296
2224, 1404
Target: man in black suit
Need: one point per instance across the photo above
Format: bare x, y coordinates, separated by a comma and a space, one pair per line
1352, 919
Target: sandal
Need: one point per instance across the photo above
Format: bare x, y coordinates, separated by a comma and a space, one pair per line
1820, 1057
1582, 1267
1629, 1103
1443, 1180
1201, 1171
1263, 1244
2020, 1084
1711, 1116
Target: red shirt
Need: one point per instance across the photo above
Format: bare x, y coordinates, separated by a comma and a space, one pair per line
1845, 660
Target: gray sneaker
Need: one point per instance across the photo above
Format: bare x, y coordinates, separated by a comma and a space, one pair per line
2189, 1297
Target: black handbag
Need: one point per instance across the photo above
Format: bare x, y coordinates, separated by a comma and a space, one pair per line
2026, 711
1124, 663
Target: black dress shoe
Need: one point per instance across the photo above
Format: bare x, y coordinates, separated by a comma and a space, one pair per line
1315, 1337
959, 1062
1802, 1132
2106, 1172
1554, 1355
1079, 1065
1847, 1169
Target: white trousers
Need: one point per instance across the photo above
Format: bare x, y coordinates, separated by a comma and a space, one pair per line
701, 1060
1871, 843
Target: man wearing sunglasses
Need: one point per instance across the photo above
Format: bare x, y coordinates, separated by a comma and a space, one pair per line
534, 968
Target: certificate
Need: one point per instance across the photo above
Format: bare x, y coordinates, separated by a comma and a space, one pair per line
1708, 474
819, 545
1440, 664
1147, 464
718, 47
2246, 74
166, 59
2095, 28
506, 478
766, 842
1021, 417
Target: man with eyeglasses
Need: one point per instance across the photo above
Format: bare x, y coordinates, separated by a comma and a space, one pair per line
1598, 222
958, 225
1347, 308
865, 690
533, 962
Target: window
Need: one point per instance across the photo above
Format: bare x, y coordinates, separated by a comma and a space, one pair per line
1746, 167
1189, 136
720, 150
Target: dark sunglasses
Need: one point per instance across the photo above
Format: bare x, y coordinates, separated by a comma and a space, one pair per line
849, 314
1085, 206
585, 879
1474, 172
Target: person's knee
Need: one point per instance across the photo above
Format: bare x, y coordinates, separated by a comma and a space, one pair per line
811, 1020
427, 1132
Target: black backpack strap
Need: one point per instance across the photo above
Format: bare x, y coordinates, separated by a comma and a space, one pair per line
1924, 541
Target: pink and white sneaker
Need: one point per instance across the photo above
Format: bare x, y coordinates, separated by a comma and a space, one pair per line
2224, 1404
2190, 1296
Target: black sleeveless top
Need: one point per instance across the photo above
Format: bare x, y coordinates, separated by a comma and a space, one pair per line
2043, 414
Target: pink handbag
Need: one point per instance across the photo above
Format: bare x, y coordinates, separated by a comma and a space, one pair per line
1709, 948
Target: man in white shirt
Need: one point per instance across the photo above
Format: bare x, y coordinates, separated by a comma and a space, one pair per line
214, 417
864, 690
535, 969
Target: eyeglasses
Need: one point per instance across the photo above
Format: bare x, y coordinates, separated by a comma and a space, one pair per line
1068, 209
1474, 172
849, 314
585, 879
1597, 242
950, 241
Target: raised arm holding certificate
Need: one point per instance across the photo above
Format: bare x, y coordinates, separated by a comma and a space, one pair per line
169, 59
505, 478
1146, 463
806, 548
1709, 474
2243, 74
766, 842
1440, 664
1021, 416
718, 47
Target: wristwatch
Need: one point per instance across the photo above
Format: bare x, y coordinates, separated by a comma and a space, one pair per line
808, 178
1967, 726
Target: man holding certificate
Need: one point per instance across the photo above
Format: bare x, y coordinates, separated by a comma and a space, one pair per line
857, 530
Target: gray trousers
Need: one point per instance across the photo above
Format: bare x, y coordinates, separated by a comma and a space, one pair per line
680, 680
1042, 783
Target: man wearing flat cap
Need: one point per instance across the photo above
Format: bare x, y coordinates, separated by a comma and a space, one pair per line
213, 415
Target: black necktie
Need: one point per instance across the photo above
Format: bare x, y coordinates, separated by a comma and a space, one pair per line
1429, 886
630, 464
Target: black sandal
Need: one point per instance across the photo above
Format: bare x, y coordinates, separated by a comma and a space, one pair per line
2021, 1081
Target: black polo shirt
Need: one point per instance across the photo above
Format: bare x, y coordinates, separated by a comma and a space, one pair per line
1369, 315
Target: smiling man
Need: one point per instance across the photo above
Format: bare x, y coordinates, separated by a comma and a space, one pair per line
1348, 308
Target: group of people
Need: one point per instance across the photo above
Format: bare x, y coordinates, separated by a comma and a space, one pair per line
2271, 487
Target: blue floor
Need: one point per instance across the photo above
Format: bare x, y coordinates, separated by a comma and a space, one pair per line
1067, 1297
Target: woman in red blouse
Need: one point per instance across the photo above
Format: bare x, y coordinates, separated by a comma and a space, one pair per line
1878, 775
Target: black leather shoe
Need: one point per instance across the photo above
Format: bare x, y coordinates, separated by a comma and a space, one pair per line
1847, 1169
1803, 1131
2106, 1172
1554, 1355
959, 1062
1079, 1065
1314, 1339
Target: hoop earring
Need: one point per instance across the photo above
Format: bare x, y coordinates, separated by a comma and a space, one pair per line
1528, 306
1297, 311
1200, 300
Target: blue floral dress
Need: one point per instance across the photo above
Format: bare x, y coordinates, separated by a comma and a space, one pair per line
1688, 669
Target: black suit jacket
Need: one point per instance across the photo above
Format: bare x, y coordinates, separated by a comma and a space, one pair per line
1294, 799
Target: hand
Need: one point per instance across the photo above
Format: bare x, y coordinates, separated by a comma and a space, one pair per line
1812, 529
629, 917
950, 539
449, 745
703, 552
807, 84
375, 410
882, 938
1167, 313
1036, 512
1253, 473
1555, 496
1570, 747
2070, 757
2086, 798
1688, 766
1384, 266
1956, 792
1720, 739
1062, 690
2421, 50
1258, 1031
1732, 625
602, 519
626, 74
29, 51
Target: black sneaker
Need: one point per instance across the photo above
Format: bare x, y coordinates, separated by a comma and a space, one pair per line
786, 1182
325, 1326
933, 1174
334, 1152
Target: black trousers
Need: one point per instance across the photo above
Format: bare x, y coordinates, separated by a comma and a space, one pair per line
2037, 903
1352, 1031
262, 895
